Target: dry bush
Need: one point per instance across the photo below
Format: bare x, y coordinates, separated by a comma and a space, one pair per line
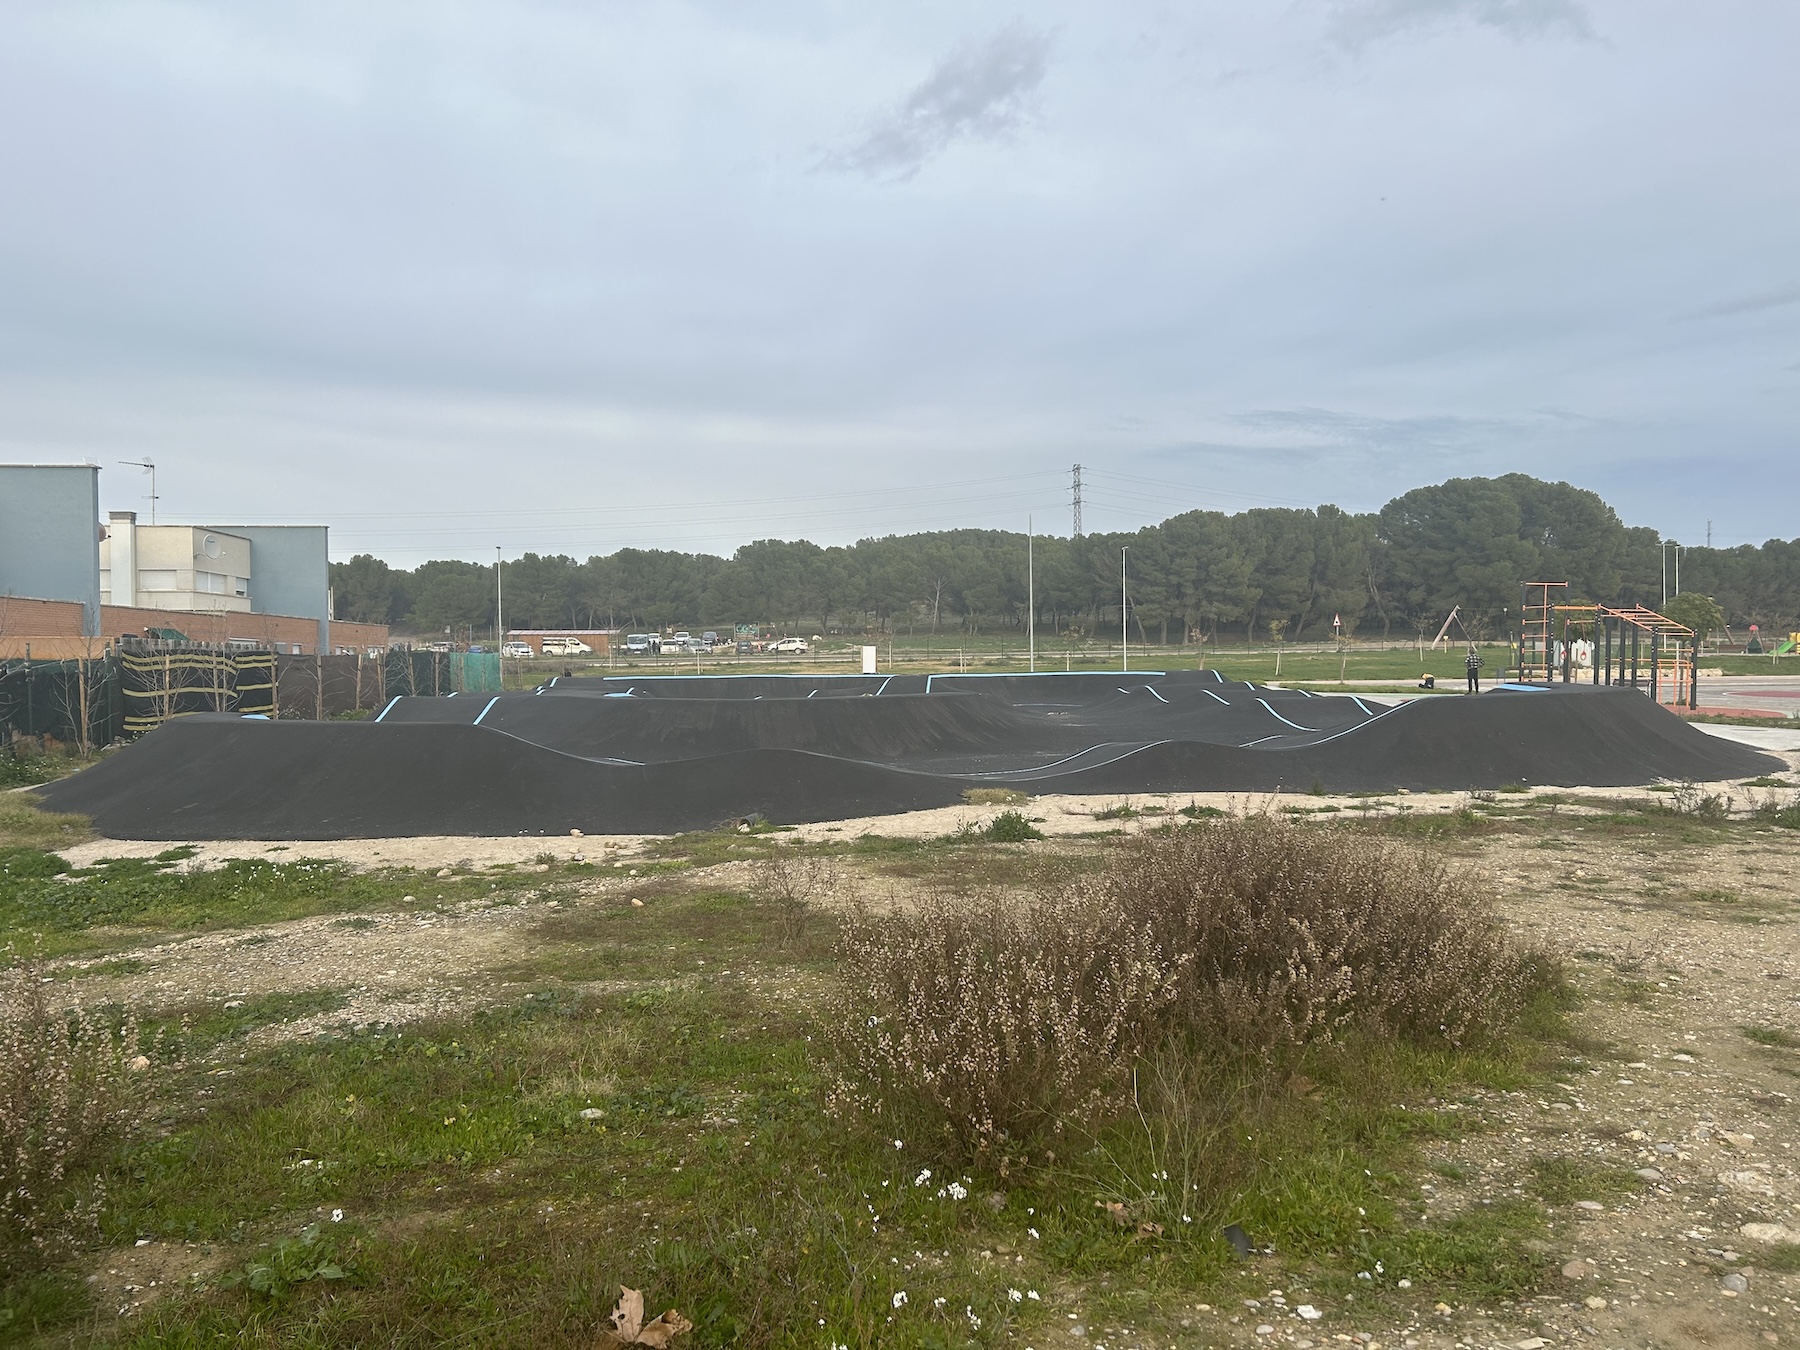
984, 1020
995, 1018
68, 1086
1296, 933
792, 884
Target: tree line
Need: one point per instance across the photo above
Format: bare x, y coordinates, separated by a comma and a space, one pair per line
1465, 543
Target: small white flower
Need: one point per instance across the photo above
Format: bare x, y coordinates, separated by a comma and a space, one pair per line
900, 1299
939, 1302
923, 1177
969, 1313
957, 1191
1034, 1233
337, 1216
1015, 1295
1406, 1284
1378, 1269
1032, 1294
1187, 1218
899, 1143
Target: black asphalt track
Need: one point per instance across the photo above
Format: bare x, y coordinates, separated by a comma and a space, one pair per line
668, 753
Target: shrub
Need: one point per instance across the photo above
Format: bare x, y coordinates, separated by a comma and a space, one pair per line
991, 1019
1292, 934
984, 1021
1010, 827
791, 884
66, 1089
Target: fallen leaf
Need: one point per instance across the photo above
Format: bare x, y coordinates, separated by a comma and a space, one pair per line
628, 1317
629, 1328
1115, 1210
1149, 1229
664, 1329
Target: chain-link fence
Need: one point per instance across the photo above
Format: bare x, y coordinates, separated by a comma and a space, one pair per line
88, 703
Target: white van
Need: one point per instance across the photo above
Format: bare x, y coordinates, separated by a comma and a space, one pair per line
566, 646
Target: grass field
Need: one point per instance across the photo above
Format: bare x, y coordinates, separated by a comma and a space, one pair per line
641, 1094
643, 1101
1313, 664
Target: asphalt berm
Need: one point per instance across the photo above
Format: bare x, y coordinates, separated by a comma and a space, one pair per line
660, 755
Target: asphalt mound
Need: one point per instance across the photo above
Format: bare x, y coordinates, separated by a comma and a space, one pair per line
603, 757
232, 778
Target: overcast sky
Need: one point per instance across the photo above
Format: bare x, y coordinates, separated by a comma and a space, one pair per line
565, 277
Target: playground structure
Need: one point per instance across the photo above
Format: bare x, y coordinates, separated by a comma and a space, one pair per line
1637, 647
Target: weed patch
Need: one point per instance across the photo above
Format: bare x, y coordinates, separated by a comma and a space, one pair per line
1773, 1037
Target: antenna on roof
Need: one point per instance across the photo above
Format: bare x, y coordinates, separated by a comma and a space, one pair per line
150, 467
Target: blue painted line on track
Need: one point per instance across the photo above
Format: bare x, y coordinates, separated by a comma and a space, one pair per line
1153, 694
1359, 703
485, 711
1260, 739
390, 707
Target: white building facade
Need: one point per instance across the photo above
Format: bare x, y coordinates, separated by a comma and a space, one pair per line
175, 567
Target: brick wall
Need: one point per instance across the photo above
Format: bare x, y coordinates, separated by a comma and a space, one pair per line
52, 628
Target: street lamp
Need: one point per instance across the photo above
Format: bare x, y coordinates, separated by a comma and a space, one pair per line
1124, 615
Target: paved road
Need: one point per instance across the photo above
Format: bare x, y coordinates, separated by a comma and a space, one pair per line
1769, 693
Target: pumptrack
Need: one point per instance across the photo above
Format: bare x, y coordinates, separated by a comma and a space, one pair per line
630, 755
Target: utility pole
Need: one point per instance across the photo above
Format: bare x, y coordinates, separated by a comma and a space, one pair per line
499, 604
1124, 615
151, 466
1075, 496
1030, 595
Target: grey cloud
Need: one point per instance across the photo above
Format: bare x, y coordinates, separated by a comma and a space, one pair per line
1747, 304
979, 91
1357, 23
1323, 425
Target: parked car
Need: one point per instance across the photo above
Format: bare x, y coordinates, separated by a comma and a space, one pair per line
566, 646
517, 649
642, 644
790, 645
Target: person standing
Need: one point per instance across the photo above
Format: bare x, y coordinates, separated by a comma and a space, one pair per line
1472, 663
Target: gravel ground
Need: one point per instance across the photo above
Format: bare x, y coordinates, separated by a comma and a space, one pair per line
1680, 947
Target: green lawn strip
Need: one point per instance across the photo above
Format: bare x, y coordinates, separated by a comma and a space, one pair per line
24, 825
479, 1202
51, 909
474, 1189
